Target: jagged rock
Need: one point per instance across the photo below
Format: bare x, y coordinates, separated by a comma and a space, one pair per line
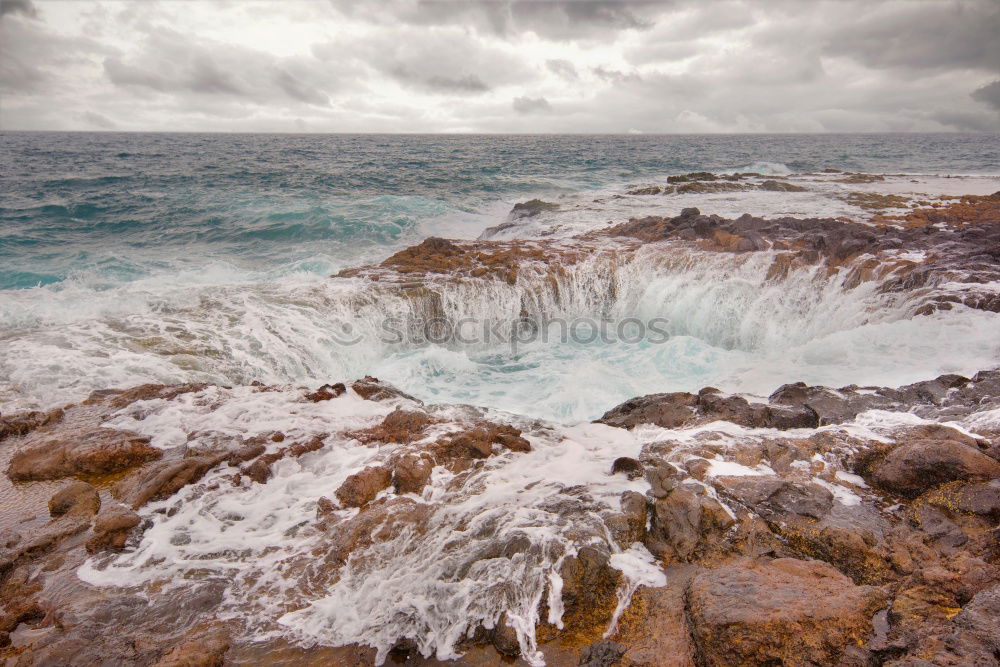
411, 473
477, 441
77, 497
666, 410
679, 409
112, 528
915, 467
629, 526
687, 521
981, 618
326, 392
375, 522
589, 585
398, 426
981, 498
701, 187
663, 479
782, 611
95, 452
372, 389
362, 487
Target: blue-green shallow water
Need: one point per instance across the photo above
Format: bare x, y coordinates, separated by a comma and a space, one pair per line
118, 207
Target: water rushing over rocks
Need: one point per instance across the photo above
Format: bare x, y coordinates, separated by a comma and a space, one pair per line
841, 519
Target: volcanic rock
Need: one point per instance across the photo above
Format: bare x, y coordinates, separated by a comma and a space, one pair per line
915, 467
95, 452
77, 497
362, 487
782, 611
112, 528
687, 522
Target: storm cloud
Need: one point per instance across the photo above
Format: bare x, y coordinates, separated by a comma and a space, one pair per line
501, 66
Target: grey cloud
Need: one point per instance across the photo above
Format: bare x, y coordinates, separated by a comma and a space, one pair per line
297, 90
98, 120
23, 7
170, 63
469, 83
988, 94
563, 68
551, 19
436, 60
920, 35
614, 76
531, 105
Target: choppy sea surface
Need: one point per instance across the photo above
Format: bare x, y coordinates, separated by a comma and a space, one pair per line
128, 258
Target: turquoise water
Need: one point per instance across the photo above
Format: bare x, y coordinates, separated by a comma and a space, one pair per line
128, 258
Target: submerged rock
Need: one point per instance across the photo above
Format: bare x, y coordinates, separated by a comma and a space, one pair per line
76, 497
531, 208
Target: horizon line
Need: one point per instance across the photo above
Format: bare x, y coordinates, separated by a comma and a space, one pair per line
506, 134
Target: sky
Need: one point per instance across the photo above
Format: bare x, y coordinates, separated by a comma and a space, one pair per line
682, 66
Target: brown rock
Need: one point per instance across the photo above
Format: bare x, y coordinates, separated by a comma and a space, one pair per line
627, 466
326, 392
505, 637
411, 473
655, 626
372, 389
399, 426
782, 611
686, 522
781, 186
163, 478
478, 440
112, 528
207, 651
22, 423
629, 526
589, 585
666, 410
362, 487
78, 497
96, 452
602, 654
913, 468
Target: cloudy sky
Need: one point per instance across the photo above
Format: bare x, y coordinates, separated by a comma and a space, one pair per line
500, 66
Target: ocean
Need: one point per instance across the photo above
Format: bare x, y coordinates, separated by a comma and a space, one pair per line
129, 258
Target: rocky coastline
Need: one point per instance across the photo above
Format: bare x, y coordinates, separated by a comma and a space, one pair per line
855, 525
